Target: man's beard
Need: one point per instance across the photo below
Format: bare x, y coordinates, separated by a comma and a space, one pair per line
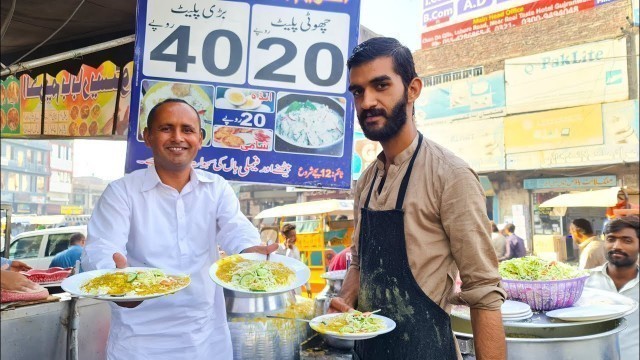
626, 261
392, 125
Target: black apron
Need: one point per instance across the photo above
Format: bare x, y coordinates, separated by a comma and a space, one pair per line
423, 329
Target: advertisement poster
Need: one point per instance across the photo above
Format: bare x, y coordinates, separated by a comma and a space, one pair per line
81, 105
554, 129
268, 79
448, 21
478, 142
21, 109
124, 102
365, 152
481, 96
620, 132
584, 74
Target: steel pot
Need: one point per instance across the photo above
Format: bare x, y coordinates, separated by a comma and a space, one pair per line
338, 343
583, 341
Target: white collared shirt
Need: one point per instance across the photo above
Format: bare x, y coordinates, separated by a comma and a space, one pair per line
629, 343
155, 226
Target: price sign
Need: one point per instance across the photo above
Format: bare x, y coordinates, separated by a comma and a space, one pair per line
268, 78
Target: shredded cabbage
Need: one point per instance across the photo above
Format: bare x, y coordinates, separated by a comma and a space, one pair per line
353, 322
533, 268
255, 275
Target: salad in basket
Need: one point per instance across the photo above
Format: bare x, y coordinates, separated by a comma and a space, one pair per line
531, 268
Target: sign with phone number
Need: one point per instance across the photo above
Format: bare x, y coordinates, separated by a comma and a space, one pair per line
267, 77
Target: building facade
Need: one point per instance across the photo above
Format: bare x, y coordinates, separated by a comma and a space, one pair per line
544, 92
25, 175
60, 181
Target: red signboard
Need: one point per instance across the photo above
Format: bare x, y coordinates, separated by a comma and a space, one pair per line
502, 20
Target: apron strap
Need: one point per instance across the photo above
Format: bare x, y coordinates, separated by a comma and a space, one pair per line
407, 175
366, 203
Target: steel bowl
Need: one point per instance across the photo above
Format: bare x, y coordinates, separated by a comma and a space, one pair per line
243, 303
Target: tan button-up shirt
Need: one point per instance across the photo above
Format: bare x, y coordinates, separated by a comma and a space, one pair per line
445, 223
591, 253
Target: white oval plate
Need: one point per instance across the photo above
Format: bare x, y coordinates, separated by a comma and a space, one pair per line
315, 322
510, 307
73, 284
301, 271
589, 313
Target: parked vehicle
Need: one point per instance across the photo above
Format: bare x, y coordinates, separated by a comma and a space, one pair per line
37, 248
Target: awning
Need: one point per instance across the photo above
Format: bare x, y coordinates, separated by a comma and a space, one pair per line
596, 198
333, 207
486, 185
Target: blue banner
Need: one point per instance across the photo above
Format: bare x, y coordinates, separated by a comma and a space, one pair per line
267, 77
458, 99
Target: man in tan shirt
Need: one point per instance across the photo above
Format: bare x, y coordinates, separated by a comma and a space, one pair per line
591, 248
420, 215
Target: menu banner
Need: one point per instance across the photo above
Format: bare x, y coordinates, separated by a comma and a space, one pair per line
81, 105
365, 152
124, 103
268, 79
21, 110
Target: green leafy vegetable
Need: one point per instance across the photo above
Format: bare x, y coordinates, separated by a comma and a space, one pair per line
533, 268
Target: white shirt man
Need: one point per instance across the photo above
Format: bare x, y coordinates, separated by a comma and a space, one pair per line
621, 275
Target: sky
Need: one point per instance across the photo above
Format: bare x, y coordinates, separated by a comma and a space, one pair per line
401, 20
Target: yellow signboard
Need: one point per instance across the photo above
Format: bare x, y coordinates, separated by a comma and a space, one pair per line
71, 210
556, 129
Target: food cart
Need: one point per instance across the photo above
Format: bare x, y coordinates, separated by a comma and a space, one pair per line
319, 231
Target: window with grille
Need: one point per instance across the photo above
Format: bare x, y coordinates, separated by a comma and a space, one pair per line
433, 80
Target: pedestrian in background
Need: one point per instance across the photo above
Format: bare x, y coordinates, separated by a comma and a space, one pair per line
68, 258
591, 247
515, 245
498, 241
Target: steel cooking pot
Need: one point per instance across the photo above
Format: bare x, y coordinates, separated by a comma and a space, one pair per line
594, 340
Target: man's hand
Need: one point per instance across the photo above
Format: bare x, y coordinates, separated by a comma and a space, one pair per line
13, 281
121, 263
339, 305
18, 266
261, 249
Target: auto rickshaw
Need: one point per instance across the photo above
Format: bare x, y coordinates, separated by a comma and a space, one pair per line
323, 229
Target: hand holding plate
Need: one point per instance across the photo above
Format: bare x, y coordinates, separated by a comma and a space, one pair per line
121, 263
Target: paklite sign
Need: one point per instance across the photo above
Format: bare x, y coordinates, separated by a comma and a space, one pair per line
267, 77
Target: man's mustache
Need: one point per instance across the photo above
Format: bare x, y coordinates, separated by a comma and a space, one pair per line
614, 252
372, 112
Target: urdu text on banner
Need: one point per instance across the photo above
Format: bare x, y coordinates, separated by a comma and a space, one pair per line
267, 77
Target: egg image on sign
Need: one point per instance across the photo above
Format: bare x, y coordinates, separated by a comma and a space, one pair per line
622, 131
235, 97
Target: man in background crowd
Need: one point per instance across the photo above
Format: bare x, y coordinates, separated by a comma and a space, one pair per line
591, 247
515, 244
620, 274
68, 258
498, 241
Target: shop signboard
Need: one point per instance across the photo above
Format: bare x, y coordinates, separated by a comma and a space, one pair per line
555, 129
71, 210
267, 77
584, 74
21, 113
570, 183
448, 21
81, 105
620, 135
478, 97
124, 101
479, 142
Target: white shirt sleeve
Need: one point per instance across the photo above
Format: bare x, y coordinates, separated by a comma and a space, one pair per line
235, 232
108, 229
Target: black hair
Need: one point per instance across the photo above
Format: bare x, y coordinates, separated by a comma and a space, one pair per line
287, 228
510, 228
154, 110
494, 227
625, 222
378, 47
583, 226
76, 238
